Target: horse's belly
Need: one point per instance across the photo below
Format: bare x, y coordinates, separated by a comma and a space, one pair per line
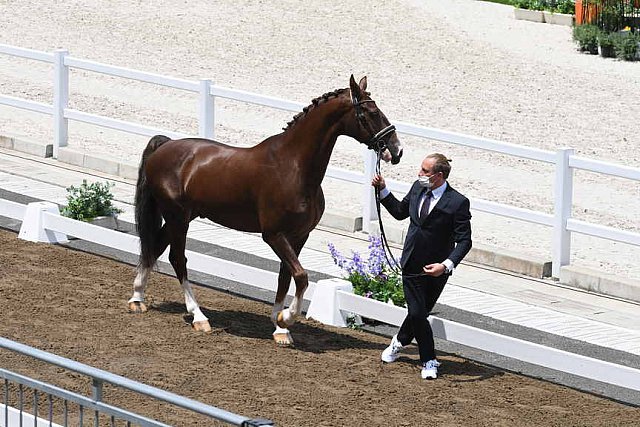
236, 220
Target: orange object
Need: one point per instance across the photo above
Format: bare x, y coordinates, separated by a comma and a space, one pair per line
591, 17
579, 15
588, 13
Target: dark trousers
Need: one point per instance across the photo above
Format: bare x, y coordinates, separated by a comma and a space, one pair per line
421, 294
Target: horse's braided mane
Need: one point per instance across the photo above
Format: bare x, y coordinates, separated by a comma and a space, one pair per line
314, 103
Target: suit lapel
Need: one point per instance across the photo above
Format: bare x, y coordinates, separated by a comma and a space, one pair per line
444, 200
415, 198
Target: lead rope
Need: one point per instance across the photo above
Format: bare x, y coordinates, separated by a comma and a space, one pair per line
395, 267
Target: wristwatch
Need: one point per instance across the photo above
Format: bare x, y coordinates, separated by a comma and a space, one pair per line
447, 270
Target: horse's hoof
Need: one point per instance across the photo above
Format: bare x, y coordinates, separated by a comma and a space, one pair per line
202, 326
137, 307
283, 338
280, 320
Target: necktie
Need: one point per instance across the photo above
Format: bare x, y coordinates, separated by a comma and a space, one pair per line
424, 211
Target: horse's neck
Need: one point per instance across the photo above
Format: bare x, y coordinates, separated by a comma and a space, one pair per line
310, 141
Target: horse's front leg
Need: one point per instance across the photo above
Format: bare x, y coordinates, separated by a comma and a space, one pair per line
281, 317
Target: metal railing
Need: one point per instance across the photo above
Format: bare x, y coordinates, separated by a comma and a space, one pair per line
564, 159
94, 405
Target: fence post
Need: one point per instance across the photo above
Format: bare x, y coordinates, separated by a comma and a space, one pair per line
60, 101
563, 202
369, 212
324, 306
32, 228
206, 110
96, 394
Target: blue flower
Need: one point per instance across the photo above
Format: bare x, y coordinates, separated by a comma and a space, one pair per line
337, 257
377, 259
371, 278
357, 264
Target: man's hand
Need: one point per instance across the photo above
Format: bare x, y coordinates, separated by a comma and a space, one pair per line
378, 181
434, 270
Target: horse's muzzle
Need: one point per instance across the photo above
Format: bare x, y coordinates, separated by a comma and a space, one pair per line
395, 158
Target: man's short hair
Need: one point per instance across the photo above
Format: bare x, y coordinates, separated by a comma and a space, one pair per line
442, 164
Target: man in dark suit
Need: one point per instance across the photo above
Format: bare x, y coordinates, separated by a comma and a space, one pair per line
439, 236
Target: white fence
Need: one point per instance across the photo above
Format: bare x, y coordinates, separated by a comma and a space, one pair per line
564, 160
330, 303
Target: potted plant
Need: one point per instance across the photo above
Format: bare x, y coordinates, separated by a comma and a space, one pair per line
606, 44
626, 46
586, 36
92, 203
371, 277
529, 10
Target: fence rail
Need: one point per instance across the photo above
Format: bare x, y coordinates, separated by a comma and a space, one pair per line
99, 378
564, 159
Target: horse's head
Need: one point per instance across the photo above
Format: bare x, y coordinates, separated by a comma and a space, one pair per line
371, 126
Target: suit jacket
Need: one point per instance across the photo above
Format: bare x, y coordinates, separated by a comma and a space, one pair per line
444, 233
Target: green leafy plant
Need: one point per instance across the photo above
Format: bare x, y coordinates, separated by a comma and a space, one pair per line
606, 41
611, 19
586, 36
538, 5
371, 277
89, 201
522, 4
565, 6
530, 4
626, 46
509, 2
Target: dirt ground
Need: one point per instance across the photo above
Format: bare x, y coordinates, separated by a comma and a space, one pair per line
74, 304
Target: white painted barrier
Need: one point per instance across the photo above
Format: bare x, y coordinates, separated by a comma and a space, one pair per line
42, 223
332, 300
560, 360
565, 160
33, 229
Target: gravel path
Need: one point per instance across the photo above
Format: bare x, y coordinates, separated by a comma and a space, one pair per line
460, 65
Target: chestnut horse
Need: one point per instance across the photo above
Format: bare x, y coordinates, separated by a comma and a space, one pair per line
272, 188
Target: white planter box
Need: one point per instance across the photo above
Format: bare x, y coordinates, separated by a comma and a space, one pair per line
558, 18
528, 15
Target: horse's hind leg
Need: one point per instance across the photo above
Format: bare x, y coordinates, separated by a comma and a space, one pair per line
178, 236
136, 302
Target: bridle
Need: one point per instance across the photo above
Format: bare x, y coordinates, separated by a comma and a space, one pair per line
378, 142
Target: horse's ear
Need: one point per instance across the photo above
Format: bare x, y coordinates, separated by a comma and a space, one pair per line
355, 89
363, 83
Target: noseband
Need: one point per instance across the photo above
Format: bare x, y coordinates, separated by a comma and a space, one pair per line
378, 142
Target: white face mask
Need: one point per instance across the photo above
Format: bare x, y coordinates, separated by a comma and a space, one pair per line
425, 181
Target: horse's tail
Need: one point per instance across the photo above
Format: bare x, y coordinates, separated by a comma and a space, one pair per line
148, 217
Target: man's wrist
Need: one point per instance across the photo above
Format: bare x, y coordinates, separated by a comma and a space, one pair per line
384, 192
448, 266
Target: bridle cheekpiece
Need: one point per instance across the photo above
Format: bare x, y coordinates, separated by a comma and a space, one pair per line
377, 142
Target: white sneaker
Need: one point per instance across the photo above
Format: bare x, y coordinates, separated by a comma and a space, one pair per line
390, 354
430, 370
